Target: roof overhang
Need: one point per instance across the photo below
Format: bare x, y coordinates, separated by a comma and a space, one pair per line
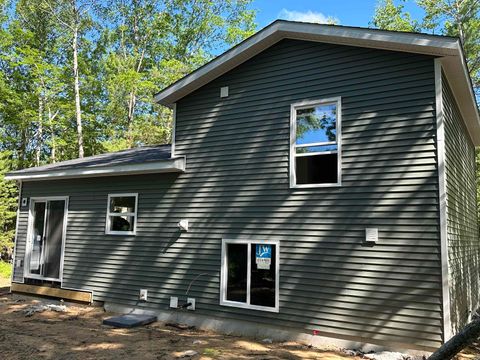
455, 69
447, 48
165, 166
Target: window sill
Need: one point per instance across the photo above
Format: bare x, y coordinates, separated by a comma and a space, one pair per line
313, 186
249, 307
132, 233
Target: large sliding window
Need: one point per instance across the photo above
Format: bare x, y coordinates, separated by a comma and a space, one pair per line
315, 143
122, 214
250, 274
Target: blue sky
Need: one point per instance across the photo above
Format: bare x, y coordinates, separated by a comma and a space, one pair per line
347, 12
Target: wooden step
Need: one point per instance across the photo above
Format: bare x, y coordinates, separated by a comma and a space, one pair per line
81, 296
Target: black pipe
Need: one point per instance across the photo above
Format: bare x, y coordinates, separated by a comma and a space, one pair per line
184, 306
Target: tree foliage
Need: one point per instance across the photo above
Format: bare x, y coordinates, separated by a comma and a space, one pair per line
459, 18
389, 16
148, 45
8, 206
77, 77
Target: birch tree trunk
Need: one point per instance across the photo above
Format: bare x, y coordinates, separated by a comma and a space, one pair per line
69, 14
78, 111
133, 96
22, 151
131, 114
51, 118
38, 150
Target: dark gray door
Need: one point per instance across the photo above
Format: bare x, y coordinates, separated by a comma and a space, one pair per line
46, 251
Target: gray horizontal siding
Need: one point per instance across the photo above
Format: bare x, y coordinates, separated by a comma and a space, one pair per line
237, 149
236, 185
462, 217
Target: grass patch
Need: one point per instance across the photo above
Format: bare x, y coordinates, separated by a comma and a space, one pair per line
5, 270
211, 352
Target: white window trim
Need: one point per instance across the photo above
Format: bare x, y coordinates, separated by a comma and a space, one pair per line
224, 275
293, 131
174, 126
109, 215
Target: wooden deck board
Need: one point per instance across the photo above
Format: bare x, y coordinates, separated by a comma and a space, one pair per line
81, 296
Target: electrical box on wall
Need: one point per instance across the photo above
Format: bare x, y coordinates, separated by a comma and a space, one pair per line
143, 296
371, 235
174, 302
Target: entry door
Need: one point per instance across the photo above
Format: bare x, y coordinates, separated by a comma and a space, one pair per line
46, 238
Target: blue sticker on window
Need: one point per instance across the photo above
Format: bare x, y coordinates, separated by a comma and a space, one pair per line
263, 256
264, 251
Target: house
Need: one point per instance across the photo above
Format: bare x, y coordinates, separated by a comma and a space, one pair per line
321, 180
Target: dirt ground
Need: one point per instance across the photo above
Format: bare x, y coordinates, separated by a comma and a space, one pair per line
78, 333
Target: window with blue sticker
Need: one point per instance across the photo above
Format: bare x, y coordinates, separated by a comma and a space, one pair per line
262, 285
249, 275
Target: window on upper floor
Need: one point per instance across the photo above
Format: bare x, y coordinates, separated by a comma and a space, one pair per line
315, 153
121, 214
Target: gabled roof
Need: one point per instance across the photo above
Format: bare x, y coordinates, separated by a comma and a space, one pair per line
448, 49
142, 160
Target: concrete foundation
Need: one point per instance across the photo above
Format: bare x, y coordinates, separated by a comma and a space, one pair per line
261, 331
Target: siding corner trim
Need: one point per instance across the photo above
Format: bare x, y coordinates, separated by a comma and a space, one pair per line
442, 197
14, 255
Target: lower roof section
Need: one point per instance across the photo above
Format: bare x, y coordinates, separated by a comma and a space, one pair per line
142, 160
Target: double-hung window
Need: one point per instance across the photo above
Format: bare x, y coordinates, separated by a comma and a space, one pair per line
250, 274
315, 153
122, 214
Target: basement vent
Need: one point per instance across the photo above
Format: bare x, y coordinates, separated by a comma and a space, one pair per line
224, 91
371, 235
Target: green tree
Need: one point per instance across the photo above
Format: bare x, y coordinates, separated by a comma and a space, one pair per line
133, 42
460, 18
74, 17
77, 77
389, 16
8, 206
32, 90
34, 52
16, 91
149, 45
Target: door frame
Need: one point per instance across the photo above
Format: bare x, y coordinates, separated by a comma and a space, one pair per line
29, 243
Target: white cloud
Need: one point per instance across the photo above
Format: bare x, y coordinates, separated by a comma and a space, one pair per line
307, 16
